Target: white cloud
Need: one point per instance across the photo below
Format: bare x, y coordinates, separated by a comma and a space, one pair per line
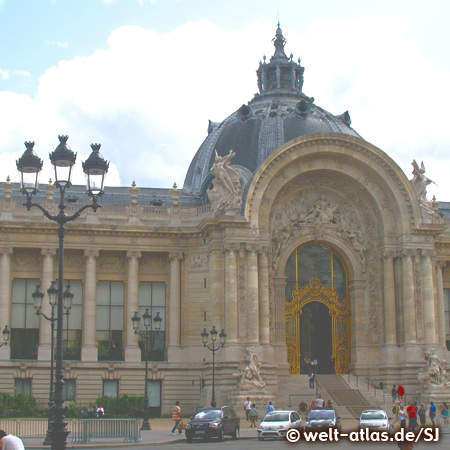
4, 74
147, 97
56, 43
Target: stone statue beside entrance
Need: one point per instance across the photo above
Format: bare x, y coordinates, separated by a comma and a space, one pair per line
248, 375
435, 374
228, 191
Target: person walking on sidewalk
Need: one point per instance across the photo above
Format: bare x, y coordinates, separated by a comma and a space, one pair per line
247, 407
176, 417
253, 416
10, 442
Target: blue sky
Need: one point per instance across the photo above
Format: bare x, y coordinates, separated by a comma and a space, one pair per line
143, 77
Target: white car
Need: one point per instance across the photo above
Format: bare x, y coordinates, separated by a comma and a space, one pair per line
375, 419
276, 424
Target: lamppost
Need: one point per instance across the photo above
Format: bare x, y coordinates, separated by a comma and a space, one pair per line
145, 334
68, 297
5, 334
213, 349
95, 168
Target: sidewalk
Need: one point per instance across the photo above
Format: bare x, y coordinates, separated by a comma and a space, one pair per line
160, 434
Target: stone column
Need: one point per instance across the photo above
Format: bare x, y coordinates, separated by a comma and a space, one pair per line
252, 294
409, 307
231, 293
5, 295
441, 338
264, 313
358, 323
390, 310
45, 328
174, 324
132, 350
89, 350
428, 297
279, 324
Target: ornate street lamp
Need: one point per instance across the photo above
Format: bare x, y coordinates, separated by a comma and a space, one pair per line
95, 169
145, 334
38, 295
67, 300
213, 349
5, 334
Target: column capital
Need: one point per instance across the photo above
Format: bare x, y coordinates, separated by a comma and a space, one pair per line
6, 250
48, 251
176, 256
91, 253
253, 248
441, 263
134, 254
231, 247
407, 252
428, 253
390, 254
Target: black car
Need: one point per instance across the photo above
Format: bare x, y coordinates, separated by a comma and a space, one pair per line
213, 423
322, 419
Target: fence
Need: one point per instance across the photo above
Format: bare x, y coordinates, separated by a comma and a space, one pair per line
81, 431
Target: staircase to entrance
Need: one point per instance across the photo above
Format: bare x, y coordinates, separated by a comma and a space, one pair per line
348, 397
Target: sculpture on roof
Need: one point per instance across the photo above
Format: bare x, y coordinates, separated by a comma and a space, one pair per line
228, 191
419, 183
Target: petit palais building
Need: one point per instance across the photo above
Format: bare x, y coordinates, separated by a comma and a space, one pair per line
293, 234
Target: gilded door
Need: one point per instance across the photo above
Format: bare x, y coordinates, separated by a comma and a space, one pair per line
339, 309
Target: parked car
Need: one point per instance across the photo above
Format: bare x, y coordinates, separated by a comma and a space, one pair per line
277, 423
375, 419
322, 419
214, 423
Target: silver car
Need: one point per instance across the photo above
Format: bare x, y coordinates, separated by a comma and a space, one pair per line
375, 419
276, 424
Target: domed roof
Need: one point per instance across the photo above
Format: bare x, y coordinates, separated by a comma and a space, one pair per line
279, 113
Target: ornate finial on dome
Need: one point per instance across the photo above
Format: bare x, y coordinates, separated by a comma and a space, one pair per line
279, 41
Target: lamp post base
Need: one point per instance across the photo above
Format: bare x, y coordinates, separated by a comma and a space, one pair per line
146, 425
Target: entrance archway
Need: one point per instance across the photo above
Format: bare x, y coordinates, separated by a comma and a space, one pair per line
317, 310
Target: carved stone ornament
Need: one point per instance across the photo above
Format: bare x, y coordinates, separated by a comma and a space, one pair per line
199, 261
248, 375
435, 373
228, 191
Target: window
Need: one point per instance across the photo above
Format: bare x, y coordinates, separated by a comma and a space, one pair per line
22, 386
73, 321
111, 388
152, 296
447, 316
24, 321
110, 317
69, 390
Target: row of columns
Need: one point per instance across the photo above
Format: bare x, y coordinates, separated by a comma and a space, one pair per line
257, 321
432, 300
89, 351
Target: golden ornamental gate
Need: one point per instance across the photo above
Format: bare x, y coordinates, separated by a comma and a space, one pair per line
339, 310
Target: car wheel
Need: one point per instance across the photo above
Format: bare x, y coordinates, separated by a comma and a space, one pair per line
236, 433
220, 435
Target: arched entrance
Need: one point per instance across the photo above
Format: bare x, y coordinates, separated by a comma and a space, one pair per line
317, 310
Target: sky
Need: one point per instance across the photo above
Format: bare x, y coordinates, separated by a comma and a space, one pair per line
143, 77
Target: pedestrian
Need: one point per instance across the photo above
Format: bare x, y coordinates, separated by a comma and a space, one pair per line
432, 413
176, 417
405, 445
445, 413
100, 412
313, 405
253, 415
396, 411
400, 392
411, 411
302, 407
319, 402
333, 363
422, 415
402, 415
311, 380
270, 407
394, 394
329, 405
247, 407
10, 442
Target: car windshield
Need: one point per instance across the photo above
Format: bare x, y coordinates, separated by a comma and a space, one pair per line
321, 414
208, 415
276, 417
373, 415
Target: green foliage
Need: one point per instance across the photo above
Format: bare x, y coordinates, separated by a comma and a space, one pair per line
19, 405
73, 412
123, 406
